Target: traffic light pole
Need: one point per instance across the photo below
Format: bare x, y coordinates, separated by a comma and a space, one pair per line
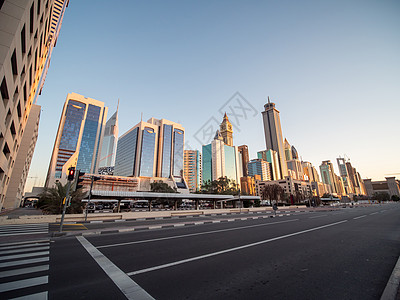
65, 205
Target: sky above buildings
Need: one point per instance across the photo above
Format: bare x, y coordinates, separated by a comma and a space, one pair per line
331, 67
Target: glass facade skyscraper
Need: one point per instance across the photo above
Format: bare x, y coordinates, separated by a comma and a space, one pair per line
159, 150
126, 153
178, 152
207, 163
109, 147
79, 138
147, 153
167, 148
221, 160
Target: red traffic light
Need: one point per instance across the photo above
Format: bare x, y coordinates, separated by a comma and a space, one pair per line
71, 174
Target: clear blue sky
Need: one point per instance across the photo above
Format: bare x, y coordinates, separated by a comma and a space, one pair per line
331, 67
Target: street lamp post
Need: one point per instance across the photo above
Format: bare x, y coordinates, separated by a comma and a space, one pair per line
93, 178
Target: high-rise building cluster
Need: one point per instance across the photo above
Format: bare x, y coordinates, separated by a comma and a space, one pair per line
29, 31
279, 163
154, 151
150, 151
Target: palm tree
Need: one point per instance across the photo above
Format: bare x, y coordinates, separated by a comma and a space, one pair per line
51, 200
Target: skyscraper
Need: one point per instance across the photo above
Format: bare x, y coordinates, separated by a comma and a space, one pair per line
260, 167
28, 30
244, 157
221, 160
271, 156
79, 138
151, 149
109, 146
192, 169
225, 128
328, 175
15, 191
288, 150
273, 134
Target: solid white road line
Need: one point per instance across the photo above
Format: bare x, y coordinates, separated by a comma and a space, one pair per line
24, 255
194, 234
391, 289
231, 249
24, 249
38, 296
23, 262
23, 271
356, 218
128, 287
20, 284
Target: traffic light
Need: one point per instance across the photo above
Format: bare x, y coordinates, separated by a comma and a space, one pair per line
79, 179
71, 173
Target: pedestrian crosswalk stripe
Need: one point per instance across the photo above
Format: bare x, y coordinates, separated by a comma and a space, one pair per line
24, 250
20, 229
23, 262
24, 243
11, 233
24, 246
19, 284
24, 225
24, 255
24, 271
38, 296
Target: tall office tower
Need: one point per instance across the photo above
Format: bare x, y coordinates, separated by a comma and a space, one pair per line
271, 156
220, 160
110, 139
355, 180
348, 186
27, 40
151, 149
315, 174
307, 171
328, 175
342, 166
225, 128
296, 167
79, 138
15, 191
192, 169
244, 157
273, 134
260, 167
288, 150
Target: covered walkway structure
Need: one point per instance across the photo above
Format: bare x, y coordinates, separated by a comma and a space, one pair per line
172, 197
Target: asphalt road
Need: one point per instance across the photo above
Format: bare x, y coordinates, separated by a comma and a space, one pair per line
346, 254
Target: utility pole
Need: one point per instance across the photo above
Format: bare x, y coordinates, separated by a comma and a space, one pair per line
94, 178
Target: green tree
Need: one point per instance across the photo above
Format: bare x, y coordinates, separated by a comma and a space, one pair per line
223, 185
51, 200
381, 196
161, 187
272, 192
395, 198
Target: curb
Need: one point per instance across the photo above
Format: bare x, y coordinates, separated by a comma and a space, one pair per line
152, 227
392, 287
179, 217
